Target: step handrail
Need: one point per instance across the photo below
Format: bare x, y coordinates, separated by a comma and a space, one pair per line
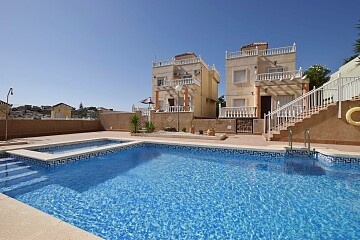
290, 140
307, 140
335, 90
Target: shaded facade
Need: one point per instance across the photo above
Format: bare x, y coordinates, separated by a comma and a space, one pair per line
259, 80
185, 83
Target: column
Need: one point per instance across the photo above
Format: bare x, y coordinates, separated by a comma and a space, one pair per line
305, 89
258, 101
157, 100
186, 99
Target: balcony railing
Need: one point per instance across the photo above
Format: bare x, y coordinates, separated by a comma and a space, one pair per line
181, 81
146, 111
279, 75
237, 112
184, 62
176, 109
256, 52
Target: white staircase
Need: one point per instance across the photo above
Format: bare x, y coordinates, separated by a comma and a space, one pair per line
15, 174
336, 90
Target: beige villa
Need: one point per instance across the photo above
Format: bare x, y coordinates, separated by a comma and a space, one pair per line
61, 110
260, 79
185, 83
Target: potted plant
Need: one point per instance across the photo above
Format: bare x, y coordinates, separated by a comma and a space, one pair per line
192, 128
211, 130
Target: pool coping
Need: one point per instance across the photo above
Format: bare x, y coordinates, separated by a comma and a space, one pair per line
27, 153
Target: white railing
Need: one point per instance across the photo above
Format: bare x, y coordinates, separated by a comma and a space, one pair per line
181, 81
163, 63
176, 109
276, 51
279, 75
237, 112
213, 68
184, 62
256, 52
144, 111
187, 61
336, 90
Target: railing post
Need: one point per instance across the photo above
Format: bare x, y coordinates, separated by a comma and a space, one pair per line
269, 126
339, 95
264, 123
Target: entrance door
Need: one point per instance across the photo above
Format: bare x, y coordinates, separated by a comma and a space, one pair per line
265, 105
171, 102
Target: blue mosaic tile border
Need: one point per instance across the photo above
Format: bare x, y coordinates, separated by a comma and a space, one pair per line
76, 158
298, 152
41, 149
274, 155
334, 159
218, 150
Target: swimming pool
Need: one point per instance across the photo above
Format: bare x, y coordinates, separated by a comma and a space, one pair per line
155, 192
65, 148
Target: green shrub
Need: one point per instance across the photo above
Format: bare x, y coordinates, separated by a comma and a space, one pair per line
183, 129
149, 126
134, 123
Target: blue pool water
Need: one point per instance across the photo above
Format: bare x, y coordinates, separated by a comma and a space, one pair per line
156, 193
79, 146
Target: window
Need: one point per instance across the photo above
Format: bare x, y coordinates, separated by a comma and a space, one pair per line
284, 99
239, 103
160, 81
239, 76
275, 69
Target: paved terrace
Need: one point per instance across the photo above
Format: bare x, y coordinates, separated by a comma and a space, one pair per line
20, 221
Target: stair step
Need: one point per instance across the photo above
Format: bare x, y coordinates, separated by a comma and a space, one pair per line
17, 176
9, 163
23, 184
13, 169
6, 159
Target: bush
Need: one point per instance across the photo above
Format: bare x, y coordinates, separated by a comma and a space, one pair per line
183, 129
149, 126
134, 123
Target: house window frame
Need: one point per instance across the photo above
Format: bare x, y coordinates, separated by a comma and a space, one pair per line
158, 80
273, 69
245, 80
234, 99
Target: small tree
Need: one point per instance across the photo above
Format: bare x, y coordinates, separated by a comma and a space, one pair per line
318, 75
149, 126
134, 123
357, 41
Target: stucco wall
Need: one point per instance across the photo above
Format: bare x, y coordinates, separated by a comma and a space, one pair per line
326, 127
220, 125
30, 128
119, 121
163, 120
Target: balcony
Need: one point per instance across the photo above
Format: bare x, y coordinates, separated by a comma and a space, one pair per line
181, 81
166, 109
256, 52
184, 62
288, 75
237, 112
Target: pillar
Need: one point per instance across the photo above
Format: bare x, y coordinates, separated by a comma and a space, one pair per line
258, 101
157, 100
305, 89
186, 99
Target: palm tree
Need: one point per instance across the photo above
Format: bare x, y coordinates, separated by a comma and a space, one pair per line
357, 41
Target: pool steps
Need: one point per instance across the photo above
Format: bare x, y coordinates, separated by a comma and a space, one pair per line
16, 174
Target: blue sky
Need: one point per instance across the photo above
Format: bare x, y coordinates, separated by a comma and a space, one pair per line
100, 52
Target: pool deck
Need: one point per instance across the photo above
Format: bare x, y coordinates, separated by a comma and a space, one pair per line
20, 221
